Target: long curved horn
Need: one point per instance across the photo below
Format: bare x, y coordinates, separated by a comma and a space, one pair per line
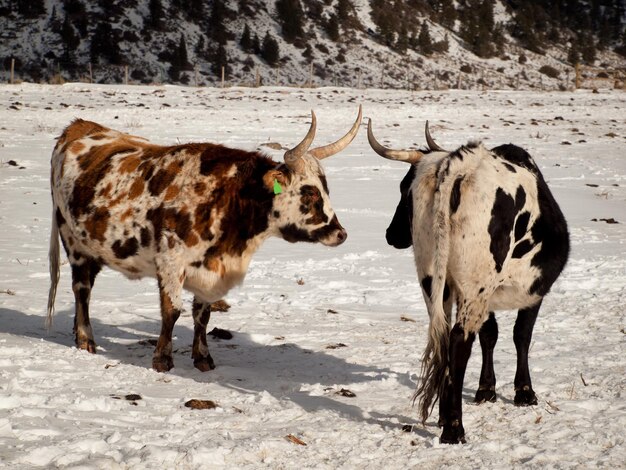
431, 143
331, 149
293, 156
409, 156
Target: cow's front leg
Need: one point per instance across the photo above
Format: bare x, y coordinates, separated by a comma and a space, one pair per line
202, 360
84, 272
170, 279
460, 349
488, 336
522, 335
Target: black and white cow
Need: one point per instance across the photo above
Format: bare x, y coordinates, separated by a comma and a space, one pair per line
487, 235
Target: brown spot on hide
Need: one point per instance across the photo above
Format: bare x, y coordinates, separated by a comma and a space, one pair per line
129, 164
97, 224
127, 213
171, 193
215, 265
199, 188
75, 148
106, 191
169, 220
136, 188
164, 177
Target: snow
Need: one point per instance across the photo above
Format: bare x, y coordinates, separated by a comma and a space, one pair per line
310, 321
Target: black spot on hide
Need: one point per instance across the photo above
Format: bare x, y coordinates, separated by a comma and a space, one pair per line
517, 156
127, 249
500, 227
455, 197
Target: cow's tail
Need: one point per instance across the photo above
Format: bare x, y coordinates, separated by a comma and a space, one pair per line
434, 370
54, 260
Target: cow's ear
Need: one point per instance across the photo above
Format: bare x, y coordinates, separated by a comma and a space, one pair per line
275, 180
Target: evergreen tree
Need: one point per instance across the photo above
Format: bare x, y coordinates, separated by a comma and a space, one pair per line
588, 48
573, 54
402, 43
447, 13
424, 41
291, 19
104, 45
332, 28
70, 40
220, 59
343, 10
181, 57
217, 23
30, 8
269, 50
256, 45
156, 15
246, 41
75, 10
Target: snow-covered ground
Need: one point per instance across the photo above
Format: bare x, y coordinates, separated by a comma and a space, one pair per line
310, 321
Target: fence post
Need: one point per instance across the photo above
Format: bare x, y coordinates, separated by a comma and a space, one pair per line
12, 69
223, 74
126, 75
257, 78
577, 83
90, 73
195, 74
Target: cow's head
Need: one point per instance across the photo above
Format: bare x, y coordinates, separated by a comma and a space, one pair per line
399, 231
301, 208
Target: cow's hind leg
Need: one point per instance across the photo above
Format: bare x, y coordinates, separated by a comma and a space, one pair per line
488, 336
202, 360
170, 279
522, 335
460, 349
84, 272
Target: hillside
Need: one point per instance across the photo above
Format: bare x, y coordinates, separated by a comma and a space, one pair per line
416, 44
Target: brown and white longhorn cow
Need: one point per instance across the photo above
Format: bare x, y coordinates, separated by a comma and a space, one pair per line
189, 215
487, 234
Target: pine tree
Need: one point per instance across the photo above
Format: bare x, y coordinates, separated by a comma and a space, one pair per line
30, 8
269, 51
402, 43
332, 28
182, 59
573, 54
256, 45
217, 23
220, 59
291, 19
246, 41
447, 13
588, 48
424, 41
105, 45
156, 15
69, 38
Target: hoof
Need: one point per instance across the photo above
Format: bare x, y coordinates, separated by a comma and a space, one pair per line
162, 364
484, 395
525, 397
453, 434
204, 364
88, 345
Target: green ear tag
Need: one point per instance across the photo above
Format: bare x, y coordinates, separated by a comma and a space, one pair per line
277, 187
